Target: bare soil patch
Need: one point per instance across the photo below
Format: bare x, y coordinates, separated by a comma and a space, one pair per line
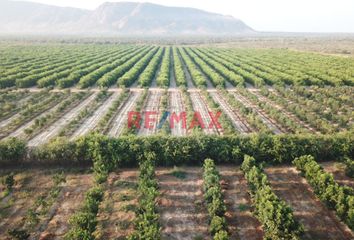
318, 220
338, 171
67, 204
182, 213
241, 222
116, 215
13, 208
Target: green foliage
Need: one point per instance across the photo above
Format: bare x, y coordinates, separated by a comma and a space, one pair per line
197, 75
339, 198
275, 215
217, 79
214, 199
178, 69
147, 224
32, 218
163, 78
224, 120
179, 173
104, 74
133, 73
221, 235
18, 234
217, 224
104, 122
103, 64
127, 62
84, 223
220, 67
9, 182
176, 151
349, 167
12, 151
149, 72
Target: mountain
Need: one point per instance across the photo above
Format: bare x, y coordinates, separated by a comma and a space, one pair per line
126, 18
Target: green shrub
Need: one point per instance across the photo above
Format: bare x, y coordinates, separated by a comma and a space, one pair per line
339, 198
147, 225
221, 235
12, 151
275, 215
109, 153
18, 234
214, 197
349, 167
217, 224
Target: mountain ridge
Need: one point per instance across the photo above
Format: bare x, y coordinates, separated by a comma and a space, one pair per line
115, 18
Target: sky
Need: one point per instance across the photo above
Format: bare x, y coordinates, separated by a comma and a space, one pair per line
261, 15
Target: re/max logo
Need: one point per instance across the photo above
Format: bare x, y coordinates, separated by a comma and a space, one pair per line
149, 119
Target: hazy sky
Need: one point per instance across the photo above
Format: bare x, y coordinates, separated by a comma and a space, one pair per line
262, 15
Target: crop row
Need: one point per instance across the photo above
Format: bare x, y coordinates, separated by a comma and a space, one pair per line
133, 73
197, 76
32, 111
149, 73
147, 225
215, 201
302, 68
339, 198
178, 68
276, 216
163, 78
88, 65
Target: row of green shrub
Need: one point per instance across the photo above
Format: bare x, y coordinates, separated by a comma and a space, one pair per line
349, 167
146, 225
339, 198
215, 201
276, 216
172, 151
84, 222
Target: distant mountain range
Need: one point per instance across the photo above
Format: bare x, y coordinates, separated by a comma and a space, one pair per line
126, 18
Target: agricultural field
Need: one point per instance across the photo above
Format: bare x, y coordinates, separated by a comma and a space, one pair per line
187, 202
138, 141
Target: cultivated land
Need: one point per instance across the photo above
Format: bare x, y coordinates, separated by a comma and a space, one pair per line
64, 112
180, 205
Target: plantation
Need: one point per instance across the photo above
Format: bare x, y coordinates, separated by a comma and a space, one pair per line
143, 196
124, 141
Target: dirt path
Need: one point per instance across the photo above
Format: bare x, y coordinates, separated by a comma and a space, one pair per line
338, 171
29, 186
319, 222
122, 115
274, 126
54, 129
20, 132
18, 129
116, 215
182, 215
173, 83
158, 70
190, 83
228, 85
92, 121
282, 109
239, 123
66, 205
152, 105
177, 106
7, 121
242, 224
201, 107
20, 104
